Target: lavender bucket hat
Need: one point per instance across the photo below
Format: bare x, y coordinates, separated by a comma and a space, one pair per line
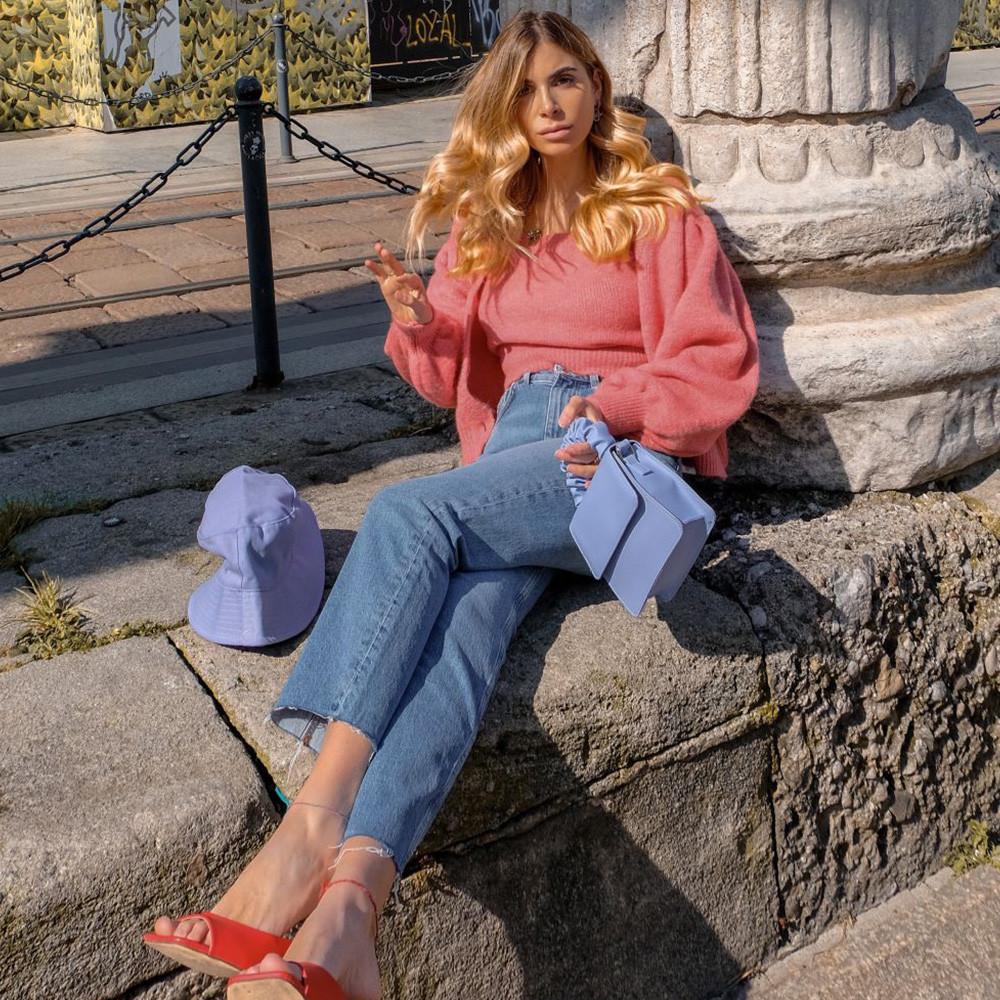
270, 583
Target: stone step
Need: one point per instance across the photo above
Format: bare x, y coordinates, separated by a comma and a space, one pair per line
71, 388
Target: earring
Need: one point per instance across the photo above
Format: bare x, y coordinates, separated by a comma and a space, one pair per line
598, 111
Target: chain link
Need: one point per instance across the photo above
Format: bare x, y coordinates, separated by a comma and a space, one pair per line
995, 113
299, 131
187, 155
95, 102
391, 77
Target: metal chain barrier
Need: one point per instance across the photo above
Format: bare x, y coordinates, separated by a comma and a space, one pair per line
322, 53
299, 131
97, 102
187, 155
995, 113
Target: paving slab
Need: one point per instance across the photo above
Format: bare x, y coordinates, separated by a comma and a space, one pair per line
321, 235
96, 254
231, 304
124, 796
32, 338
137, 561
26, 295
117, 281
177, 249
936, 941
37, 274
139, 320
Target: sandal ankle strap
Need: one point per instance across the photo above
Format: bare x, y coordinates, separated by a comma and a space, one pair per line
326, 886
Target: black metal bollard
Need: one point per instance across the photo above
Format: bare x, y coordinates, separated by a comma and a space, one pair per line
265, 320
281, 84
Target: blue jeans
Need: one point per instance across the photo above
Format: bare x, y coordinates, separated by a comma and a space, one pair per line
409, 645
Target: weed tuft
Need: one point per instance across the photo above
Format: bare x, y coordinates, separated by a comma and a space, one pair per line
977, 849
53, 622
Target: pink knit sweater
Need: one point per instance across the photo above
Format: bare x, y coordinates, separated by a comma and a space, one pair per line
669, 331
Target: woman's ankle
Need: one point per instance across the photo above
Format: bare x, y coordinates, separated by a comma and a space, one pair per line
364, 869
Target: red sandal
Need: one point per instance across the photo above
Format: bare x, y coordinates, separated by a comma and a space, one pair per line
315, 983
233, 946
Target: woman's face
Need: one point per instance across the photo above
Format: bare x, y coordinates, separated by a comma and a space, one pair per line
557, 91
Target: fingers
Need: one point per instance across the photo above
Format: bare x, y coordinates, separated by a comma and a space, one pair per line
387, 265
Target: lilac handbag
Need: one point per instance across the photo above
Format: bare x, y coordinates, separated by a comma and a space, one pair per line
639, 525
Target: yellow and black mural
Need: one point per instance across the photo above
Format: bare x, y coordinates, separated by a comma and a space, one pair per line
979, 24
134, 50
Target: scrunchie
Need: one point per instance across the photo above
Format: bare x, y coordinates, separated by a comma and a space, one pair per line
597, 435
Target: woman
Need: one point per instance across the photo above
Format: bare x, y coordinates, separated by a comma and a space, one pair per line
580, 278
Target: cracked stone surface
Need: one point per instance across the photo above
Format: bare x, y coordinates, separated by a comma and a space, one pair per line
104, 815
879, 616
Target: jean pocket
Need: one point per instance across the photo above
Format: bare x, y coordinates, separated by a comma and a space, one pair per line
505, 400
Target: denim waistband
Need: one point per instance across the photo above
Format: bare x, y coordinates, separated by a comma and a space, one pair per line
550, 376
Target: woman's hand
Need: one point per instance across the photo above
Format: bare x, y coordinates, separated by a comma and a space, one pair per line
580, 457
402, 290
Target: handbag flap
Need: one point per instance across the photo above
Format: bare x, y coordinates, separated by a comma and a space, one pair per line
603, 515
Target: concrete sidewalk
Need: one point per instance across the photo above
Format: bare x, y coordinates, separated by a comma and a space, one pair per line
55, 170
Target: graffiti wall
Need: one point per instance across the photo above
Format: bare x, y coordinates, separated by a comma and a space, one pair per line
403, 31
135, 49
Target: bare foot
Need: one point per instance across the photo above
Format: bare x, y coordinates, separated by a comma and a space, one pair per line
281, 884
339, 935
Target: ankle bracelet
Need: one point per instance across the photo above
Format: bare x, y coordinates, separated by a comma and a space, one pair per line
366, 891
299, 802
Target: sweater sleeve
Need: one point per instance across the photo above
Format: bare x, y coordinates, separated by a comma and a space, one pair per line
702, 371
429, 355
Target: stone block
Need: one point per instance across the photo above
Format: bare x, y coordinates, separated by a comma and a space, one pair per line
125, 796
935, 940
11, 605
28, 294
148, 277
246, 682
282, 430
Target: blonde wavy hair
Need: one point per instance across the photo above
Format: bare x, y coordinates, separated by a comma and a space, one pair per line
488, 177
